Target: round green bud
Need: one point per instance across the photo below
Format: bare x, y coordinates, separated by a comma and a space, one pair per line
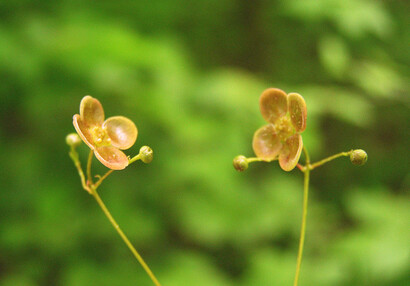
358, 157
73, 140
240, 163
146, 154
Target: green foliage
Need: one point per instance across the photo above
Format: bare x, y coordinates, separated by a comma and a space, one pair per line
190, 77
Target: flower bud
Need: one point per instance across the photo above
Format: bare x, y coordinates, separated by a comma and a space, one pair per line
73, 140
358, 157
240, 163
146, 154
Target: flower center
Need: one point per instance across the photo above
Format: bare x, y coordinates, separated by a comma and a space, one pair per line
100, 136
283, 127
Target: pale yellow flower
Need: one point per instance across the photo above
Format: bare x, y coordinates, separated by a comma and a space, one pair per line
280, 138
105, 138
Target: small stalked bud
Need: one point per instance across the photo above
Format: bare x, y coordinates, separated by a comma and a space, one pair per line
146, 154
358, 157
240, 163
73, 140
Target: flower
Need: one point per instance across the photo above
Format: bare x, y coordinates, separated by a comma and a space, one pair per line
105, 138
286, 117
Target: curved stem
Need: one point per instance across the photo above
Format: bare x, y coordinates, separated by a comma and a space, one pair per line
92, 189
101, 179
124, 237
98, 183
74, 156
306, 172
306, 155
135, 158
330, 158
90, 160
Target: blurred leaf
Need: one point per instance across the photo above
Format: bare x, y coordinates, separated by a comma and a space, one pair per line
334, 55
190, 268
342, 103
354, 18
380, 248
270, 268
378, 80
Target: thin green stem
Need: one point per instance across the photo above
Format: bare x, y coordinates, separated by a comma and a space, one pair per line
256, 159
100, 180
92, 189
74, 156
306, 172
306, 155
124, 237
330, 158
133, 159
90, 160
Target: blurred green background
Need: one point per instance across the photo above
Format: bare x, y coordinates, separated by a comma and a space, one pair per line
189, 74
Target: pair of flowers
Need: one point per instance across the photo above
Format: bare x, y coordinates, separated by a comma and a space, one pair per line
279, 139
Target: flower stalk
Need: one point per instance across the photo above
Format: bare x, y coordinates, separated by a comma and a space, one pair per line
107, 213
106, 139
91, 188
328, 159
281, 140
306, 172
89, 162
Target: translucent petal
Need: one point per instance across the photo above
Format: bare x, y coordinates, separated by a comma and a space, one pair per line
91, 111
266, 144
273, 104
297, 111
289, 157
111, 157
83, 131
122, 131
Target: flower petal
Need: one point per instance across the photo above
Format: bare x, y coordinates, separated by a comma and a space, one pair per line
83, 131
266, 144
273, 104
111, 157
289, 157
91, 111
297, 111
122, 131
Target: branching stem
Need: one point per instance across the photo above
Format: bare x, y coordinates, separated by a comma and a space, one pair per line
91, 188
101, 179
306, 171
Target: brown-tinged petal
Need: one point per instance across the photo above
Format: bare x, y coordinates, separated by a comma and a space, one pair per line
266, 143
273, 104
111, 157
83, 131
91, 111
122, 131
289, 157
297, 111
